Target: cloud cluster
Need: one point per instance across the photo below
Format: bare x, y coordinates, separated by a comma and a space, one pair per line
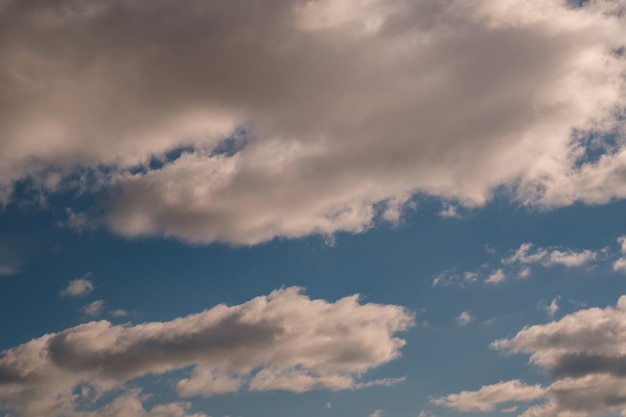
518, 264
284, 341
335, 111
620, 263
584, 353
550, 257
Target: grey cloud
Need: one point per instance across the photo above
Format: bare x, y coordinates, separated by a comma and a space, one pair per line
345, 107
580, 364
282, 341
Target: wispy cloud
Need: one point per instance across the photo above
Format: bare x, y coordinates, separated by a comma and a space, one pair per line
464, 319
78, 287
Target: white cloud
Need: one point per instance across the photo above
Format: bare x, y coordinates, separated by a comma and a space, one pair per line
348, 113
551, 308
119, 312
464, 318
449, 211
497, 277
489, 396
550, 256
282, 341
584, 353
93, 309
377, 413
620, 265
78, 287
452, 278
524, 273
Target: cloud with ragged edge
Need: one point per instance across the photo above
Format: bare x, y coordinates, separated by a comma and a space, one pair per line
519, 263
283, 341
334, 112
584, 353
78, 287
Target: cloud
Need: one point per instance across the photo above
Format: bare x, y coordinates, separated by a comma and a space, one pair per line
583, 352
224, 121
449, 211
496, 278
78, 287
620, 263
377, 413
119, 312
550, 256
551, 308
464, 319
283, 341
489, 396
524, 273
453, 278
93, 309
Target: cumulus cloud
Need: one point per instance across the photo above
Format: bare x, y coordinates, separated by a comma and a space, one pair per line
119, 312
283, 341
334, 111
464, 319
584, 353
93, 309
489, 396
620, 263
78, 287
551, 308
497, 277
549, 256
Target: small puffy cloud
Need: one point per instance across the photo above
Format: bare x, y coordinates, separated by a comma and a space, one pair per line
449, 211
584, 353
452, 278
464, 319
550, 308
620, 265
329, 405
119, 312
524, 273
78, 287
496, 277
93, 309
550, 256
377, 413
283, 341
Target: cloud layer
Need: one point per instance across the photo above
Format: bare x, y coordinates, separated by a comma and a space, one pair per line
584, 353
336, 110
284, 341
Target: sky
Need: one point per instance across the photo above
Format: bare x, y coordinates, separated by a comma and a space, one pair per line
313, 208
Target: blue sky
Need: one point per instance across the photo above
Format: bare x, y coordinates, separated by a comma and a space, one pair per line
321, 208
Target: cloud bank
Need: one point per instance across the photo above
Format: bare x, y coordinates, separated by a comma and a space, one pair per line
335, 111
283, 341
